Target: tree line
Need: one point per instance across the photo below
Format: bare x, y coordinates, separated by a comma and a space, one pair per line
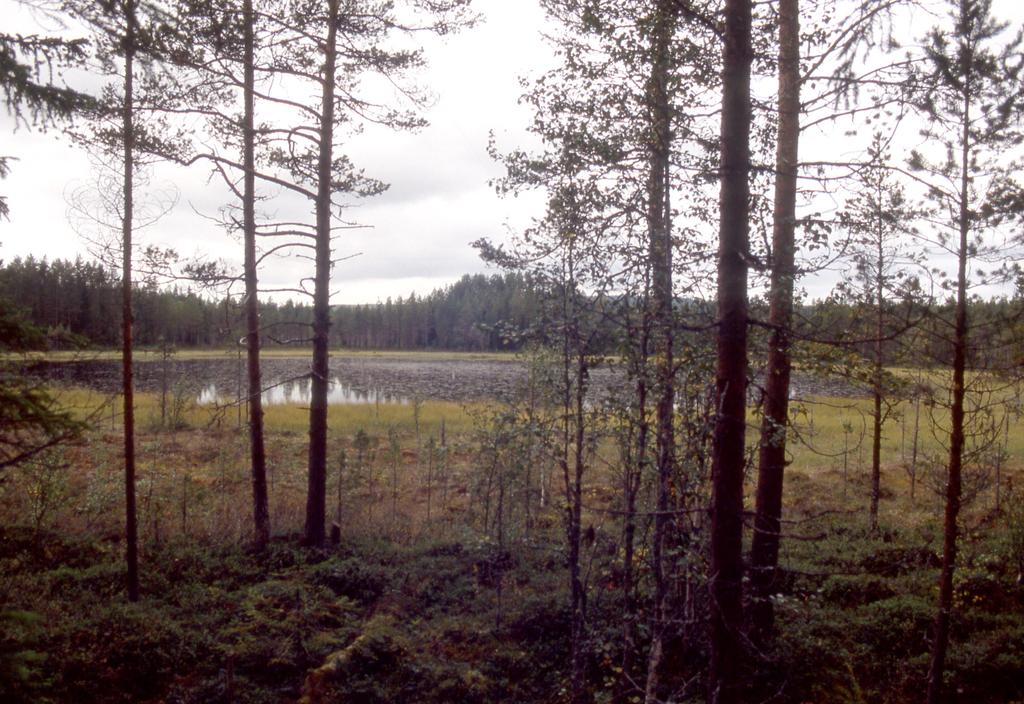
74, 301
78, 299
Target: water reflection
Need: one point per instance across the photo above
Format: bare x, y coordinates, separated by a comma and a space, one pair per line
298, 391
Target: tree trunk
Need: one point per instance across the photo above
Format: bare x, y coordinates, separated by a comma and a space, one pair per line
727, 655
127, 381
580, 693
876, 430
316, 497
913, 455
660, 244
631, 482
940, 636
260, 507
574, 374
764, 552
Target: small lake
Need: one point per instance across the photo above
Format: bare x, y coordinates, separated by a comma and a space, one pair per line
354, 379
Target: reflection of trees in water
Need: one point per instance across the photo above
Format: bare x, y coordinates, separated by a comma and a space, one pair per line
297, 391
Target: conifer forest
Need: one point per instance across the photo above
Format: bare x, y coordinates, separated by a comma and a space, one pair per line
729, 410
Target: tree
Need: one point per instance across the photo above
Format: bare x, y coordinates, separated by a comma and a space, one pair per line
327, 51
260, 501
27, 65
728, 458
662, 314
622, 103
117, 133
764, 551
31, 420
880, 284
332, 48
835, 44
561, 255
128, 390
227, 65
971, 93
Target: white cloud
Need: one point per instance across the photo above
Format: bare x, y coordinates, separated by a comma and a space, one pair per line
420, 229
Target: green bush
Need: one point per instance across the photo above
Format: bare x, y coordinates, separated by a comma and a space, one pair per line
22, 671
354, 578
895, 627
104, 580
849, 591
811, 661
282, 628
123, 653
380, 667
893, 561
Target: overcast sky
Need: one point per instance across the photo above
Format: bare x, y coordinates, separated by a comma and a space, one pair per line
418, 233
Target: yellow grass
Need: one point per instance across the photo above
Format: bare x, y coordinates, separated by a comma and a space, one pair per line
106, 411
203, 468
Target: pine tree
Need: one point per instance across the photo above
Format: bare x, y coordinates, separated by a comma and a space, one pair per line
728, 458
881, 283
971, 93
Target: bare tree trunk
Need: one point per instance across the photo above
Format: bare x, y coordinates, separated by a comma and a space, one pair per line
764, 552
876, 430
727, 653
164, 354
580, 693
659, 226
1001, 457
127, 380
913, 455
940, 636
316, 497
632, 477
260, 501
342, 466
430, 477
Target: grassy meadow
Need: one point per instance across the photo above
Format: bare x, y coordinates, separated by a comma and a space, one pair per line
428, 599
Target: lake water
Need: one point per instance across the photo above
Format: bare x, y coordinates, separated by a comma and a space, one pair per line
354, 379
298, 392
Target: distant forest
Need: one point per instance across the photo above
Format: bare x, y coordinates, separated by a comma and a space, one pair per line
497, 312
82, 298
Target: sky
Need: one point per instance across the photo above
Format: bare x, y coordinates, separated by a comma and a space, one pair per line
416, 236
418, 233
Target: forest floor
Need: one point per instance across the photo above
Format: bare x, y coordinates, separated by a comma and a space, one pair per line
443, 590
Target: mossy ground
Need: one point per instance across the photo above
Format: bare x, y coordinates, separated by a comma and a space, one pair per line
412, 607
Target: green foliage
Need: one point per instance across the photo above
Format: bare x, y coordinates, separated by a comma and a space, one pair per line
379, 623
123, 653
1014, 541
381, 666
26, 65
849, 591
353, 578
283, 628
814, 658
31, 420
475, 313
892, 561
22, 665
